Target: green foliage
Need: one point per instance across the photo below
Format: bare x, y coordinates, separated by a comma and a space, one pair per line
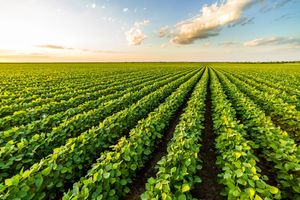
131, 151
83, 131
277, 147
68, 162
176, 171
240, 173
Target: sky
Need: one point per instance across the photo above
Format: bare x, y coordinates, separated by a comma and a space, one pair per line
144, 30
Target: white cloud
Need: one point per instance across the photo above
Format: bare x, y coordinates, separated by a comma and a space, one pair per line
135, 36
210, 20
164, 31
143, 23
294, 42
90, 5
125, 9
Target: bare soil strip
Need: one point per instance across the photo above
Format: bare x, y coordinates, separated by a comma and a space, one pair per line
149, 170
265, 166
209, 188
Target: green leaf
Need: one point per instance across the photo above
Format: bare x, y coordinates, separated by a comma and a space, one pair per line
197, 179
8, 182
152, 180
251, 192
253, 170
173, 170
238, 172
95, 177
126, 157
185, 187
182, 197
123, 182
296, 188
46, 171
112, 192
133, 166
187, 162
106, 175
236, 192
38, 181
26, 174
145, 196
274, 190
257, 197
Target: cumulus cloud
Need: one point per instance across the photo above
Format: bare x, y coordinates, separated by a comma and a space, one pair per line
295, 42
135, 36
210, 20
125, 9
164, 31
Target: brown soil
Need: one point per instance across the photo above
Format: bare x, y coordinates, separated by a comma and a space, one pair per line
209, 188
149, 170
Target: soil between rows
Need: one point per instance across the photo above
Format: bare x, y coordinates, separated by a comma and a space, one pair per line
149, 170
265, 166
209, 188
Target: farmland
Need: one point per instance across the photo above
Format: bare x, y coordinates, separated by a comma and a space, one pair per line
150, 131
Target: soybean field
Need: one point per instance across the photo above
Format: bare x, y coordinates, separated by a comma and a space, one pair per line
150, 131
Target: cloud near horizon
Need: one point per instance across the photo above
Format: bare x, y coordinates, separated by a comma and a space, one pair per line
135, 36
209, 22
294, 42
59, 47
53, 46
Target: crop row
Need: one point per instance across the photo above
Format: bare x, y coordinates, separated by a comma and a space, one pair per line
276, 145
176, 170
71, 161
282, 113
113, 172
46, 124
240, 174
40, 145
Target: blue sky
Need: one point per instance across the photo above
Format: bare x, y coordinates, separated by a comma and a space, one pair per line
143, 30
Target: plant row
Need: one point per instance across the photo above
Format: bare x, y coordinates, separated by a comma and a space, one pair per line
276, 145
13, 135
281, 112
176, 171
46, 93
111, 175
68, 163
31, 149
240, 174
74, 99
